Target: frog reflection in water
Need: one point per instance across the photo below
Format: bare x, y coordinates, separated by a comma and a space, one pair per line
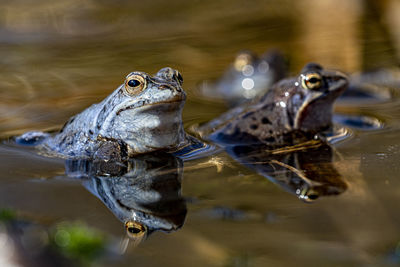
248, 77
306, 171
143, 115
293, 111
143, 192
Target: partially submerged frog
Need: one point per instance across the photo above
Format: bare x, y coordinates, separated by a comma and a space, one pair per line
294, 110
249, 76
142, 115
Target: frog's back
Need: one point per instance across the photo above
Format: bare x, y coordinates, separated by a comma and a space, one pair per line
259, 121
76, 137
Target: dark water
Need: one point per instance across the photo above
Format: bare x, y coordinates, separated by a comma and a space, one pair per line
59, 57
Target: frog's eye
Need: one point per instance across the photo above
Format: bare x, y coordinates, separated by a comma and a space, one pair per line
312, 81
135, 230
134, 84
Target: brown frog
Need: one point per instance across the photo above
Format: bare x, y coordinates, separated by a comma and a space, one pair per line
294, 110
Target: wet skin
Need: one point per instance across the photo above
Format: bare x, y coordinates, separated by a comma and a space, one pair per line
142, 115
294, 110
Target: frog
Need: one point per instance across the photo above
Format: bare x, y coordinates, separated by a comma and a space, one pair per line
294, 110
247, 77
142, 115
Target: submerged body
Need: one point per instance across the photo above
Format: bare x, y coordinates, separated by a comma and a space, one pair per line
293, 111
143, 115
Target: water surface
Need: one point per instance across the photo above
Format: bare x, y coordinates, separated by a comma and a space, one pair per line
59, 57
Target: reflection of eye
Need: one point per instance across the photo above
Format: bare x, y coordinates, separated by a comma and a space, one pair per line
134, 84
307, 194
312, 81
135, 230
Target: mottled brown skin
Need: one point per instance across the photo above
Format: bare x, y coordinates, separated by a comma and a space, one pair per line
293, 111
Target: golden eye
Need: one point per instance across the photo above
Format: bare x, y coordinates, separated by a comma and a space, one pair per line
135, 230
312, 81
134, 84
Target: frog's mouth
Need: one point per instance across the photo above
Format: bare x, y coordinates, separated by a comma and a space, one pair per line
172, 103
133, 113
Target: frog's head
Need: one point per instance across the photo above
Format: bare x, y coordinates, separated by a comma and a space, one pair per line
145, 112
311, 96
